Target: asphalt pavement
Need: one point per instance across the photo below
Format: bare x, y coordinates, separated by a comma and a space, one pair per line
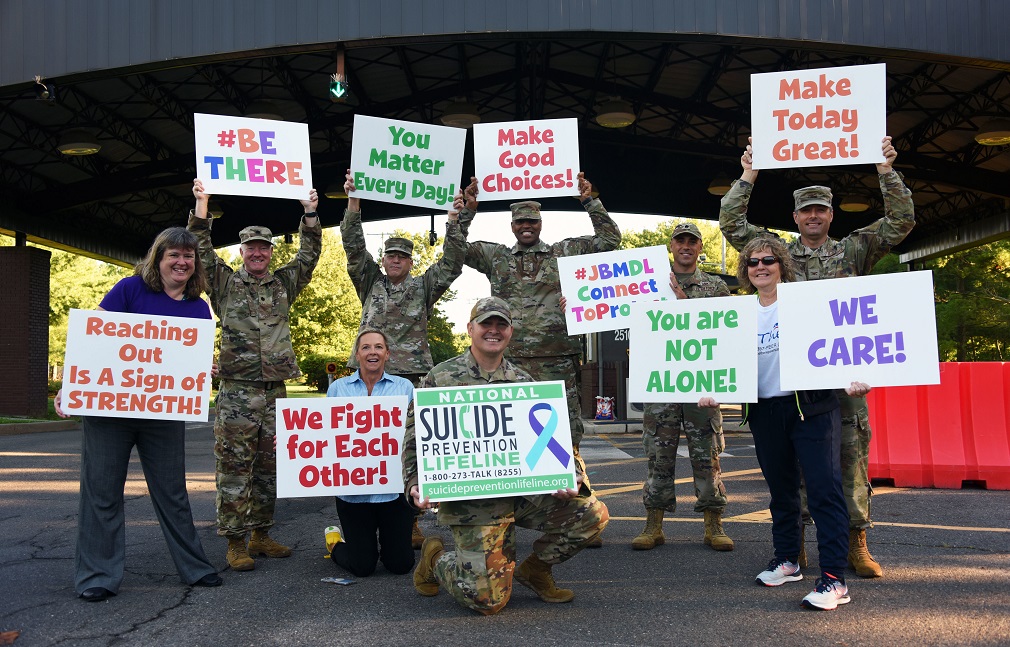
945, 554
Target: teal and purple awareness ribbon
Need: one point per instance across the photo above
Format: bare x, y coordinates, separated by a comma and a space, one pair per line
545, 437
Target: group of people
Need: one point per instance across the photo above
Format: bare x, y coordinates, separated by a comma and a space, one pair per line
812, 446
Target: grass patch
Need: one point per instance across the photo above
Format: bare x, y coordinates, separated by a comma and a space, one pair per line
50, 416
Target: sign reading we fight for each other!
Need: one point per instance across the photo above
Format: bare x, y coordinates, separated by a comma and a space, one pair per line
600, 287
258, 157
823, 117
876, 329
334, 446
484, 442
527, 159
405, 162
683, 350
124, 365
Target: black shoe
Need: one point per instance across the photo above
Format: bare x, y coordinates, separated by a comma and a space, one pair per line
96, 594
210, 579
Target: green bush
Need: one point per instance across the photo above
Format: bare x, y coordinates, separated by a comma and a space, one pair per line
55, 386
314, 371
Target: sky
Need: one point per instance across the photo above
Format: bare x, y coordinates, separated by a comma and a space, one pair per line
496, 227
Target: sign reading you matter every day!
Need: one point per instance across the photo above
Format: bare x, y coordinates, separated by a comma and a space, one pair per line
823, 117
403, 162
600, 287
258, 157
684, 350
334, 446
876, 329
124, 365
515, 160
483, 442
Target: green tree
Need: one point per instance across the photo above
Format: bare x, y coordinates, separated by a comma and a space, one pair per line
711, 243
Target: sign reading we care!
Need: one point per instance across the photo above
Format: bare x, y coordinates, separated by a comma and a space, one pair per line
482, 442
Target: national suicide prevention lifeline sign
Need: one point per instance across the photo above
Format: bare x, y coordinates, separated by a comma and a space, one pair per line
484, 442
257, 157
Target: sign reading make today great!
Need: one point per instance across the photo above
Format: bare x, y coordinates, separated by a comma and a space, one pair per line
877, 329
823, 117
600, 287
258, 157
335, 446
124, 365
686, 349
482, 442
403, 162
518, 160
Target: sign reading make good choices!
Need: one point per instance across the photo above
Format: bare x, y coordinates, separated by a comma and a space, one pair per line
483, 442
600, 287
403, 162
124, 365
684, 350
517, 160
823, 117
258, 157
334, 446
877, 329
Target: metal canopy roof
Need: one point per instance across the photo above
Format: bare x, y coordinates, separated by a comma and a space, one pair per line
690, 92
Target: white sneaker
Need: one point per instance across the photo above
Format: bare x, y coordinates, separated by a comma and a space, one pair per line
779, 572
827, 595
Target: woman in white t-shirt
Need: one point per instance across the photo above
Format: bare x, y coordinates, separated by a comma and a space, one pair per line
796, 435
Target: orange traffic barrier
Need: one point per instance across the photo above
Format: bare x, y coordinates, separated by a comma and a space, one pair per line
946, 434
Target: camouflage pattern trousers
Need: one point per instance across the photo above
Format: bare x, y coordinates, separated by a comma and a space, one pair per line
855, 463
244, 431
662, 424
478, 574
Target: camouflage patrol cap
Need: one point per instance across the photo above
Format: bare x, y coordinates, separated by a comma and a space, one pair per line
397, 244
491, 307
812, 195
686, 228
255, 233
528, 210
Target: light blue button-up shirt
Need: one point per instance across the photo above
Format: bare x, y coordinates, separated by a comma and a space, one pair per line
353, 386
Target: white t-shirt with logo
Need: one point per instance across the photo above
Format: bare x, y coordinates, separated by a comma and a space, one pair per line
768, 352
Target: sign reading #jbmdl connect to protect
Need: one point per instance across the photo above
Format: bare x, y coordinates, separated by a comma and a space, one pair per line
483, 442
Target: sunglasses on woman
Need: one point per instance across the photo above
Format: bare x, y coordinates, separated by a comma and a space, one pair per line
764, 260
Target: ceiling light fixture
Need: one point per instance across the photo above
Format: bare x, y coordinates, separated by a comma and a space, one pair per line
615, 113
460, 114
995, 132
854, 204
720, 186
78, 142
335, 190
44, 91
263, 109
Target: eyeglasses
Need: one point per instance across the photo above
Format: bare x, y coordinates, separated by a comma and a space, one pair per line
764, 260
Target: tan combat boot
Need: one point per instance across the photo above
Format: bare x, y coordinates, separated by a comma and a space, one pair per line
535, 575
416, 536
715, 536
801, 559
238, 556
262, 544
653, 535
860, 558
424, 574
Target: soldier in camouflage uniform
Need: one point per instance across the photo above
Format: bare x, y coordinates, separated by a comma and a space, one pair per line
526, 277
816, 256
478, 574
663, 423
256, 357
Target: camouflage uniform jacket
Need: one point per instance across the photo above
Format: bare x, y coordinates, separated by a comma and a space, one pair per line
528, 280
702, 284
461, 370
854, 255
254, 313
400, 311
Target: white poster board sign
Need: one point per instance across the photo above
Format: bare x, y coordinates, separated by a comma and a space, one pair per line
876, 329
485, 442
404, 162
681, 351
258, 157
518, 160
124, 365
600, 287
823, 117
334, 446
